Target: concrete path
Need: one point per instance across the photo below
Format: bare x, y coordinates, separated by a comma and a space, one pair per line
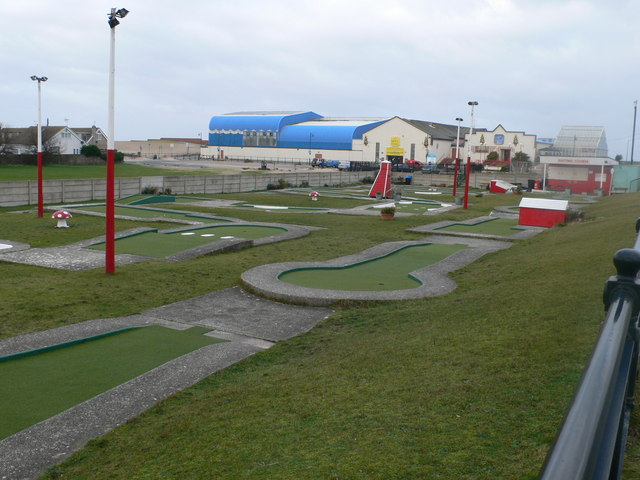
250, 324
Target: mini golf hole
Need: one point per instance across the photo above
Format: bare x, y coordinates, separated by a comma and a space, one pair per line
228, 236
208, 235
187, 233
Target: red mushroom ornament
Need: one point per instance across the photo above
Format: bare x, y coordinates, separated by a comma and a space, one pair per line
314, 196
61, 216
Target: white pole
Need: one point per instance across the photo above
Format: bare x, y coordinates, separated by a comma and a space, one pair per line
112, 73
39, 118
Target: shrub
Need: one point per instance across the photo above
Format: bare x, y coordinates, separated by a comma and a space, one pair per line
271, 186
574, 215
282, 183
150, 190
388, 210
304, 184
91, 151
367, 180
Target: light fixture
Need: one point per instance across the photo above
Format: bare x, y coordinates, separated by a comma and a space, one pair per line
115, 14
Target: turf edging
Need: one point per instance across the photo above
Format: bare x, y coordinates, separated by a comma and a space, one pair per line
264, 279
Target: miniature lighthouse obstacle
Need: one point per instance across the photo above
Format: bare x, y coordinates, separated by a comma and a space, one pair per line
382, 183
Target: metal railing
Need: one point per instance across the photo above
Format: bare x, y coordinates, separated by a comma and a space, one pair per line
591, 442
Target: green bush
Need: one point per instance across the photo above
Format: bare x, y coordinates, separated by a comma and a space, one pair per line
91, 151
150, 190
388, 210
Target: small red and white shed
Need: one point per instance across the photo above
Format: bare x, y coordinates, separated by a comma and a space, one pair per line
500, 186
542, 212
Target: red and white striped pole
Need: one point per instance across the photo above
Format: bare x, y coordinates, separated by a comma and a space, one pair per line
466, 180
110, 243
40, 192
457, 160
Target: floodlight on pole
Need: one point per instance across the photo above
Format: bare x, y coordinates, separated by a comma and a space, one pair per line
35, 78
110, 248
466, 180
457, 159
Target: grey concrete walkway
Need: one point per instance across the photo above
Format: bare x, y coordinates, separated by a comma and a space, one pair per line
250, 324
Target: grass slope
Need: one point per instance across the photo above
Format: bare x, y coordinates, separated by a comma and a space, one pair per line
470, 385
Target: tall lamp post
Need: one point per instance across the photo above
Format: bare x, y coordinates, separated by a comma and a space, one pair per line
633, 137
110, 243
40, 194
466, 180
457, 160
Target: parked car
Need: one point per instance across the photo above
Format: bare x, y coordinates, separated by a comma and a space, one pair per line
431, 169
415, 164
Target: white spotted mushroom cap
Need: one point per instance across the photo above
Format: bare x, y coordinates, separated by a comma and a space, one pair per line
61, 214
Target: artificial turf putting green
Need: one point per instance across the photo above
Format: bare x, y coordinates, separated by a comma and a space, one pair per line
131, 211
36, 387
389, 272
160, 245
495, 226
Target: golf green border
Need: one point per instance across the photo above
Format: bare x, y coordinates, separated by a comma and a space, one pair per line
265, 281
435, 228
58, 346
367, 260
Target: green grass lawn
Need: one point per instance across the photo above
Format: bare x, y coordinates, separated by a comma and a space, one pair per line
469, 385
160, 245
495, 226
59, 172
390, 272
36, 387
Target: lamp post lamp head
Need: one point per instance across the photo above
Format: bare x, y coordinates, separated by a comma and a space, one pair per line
458, 119
473, 103
115, 14
39, 79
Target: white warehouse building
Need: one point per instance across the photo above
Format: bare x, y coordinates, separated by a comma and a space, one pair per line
303, 137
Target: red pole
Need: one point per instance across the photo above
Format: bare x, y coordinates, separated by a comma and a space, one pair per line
110, 261
40, 194
466, 183
455, 177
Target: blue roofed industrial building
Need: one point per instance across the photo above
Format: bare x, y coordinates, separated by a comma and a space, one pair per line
306, 137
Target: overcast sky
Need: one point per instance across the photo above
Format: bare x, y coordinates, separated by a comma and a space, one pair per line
533, 65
